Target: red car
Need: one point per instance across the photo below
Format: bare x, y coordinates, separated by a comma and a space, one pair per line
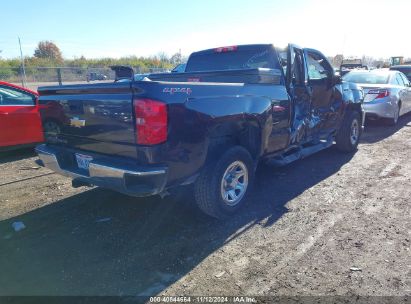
20, 122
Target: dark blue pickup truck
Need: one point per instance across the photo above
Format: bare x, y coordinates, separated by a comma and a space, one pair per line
208, 127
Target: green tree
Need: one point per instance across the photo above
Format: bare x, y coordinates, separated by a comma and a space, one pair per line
48, 50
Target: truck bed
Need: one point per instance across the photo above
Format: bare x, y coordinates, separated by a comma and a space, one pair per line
100, 117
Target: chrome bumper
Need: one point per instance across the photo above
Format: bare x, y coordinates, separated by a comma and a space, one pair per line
135, 182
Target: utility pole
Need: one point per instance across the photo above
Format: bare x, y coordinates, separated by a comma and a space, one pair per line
343, 45
23, 78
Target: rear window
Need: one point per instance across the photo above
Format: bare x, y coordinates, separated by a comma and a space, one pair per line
406, 71
408, 74
367, 77
233, 60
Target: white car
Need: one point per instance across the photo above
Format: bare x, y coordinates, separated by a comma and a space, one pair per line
387, 93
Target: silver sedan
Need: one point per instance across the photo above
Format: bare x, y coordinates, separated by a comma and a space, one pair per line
387, 93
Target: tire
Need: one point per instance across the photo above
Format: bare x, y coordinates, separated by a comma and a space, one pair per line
348, 136
51, 128
217, 192
393, 121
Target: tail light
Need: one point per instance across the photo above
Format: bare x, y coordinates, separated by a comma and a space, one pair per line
151, 121
381, 93
226, 49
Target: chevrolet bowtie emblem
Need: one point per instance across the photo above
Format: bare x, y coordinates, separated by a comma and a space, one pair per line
78, 123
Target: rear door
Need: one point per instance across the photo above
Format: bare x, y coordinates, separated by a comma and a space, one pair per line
407, 94
325, 100
402, 91
19, 117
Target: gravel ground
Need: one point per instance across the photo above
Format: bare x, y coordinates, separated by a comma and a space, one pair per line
331, 224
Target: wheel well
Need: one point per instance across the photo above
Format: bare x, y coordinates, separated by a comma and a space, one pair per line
354, 108
52, 120
248, 137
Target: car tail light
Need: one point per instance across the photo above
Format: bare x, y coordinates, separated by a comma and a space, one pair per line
381, 93
151, 121
226, 49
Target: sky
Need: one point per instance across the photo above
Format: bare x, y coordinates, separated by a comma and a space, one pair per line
109, 28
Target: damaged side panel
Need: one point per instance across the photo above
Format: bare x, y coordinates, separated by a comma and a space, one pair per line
263, 108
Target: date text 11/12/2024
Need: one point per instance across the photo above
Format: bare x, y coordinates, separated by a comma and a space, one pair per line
202, 299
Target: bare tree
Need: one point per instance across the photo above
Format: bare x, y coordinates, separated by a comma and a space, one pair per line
163, 57
368, 61
176, 59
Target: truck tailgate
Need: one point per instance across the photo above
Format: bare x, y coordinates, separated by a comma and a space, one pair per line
96, 118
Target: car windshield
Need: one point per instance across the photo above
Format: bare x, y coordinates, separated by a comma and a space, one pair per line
139, 77
350, 66
367, 77
180, 68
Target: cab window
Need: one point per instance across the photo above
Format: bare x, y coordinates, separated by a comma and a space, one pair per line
298, 74
297, 70
318, 67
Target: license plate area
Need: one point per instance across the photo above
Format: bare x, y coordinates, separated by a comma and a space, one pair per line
83, 161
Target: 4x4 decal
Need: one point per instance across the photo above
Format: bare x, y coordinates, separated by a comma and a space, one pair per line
171, 91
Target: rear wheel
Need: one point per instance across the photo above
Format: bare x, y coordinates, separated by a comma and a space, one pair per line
222, 187
348, 136
51, 128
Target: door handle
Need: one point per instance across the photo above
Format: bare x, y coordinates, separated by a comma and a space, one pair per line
4, 113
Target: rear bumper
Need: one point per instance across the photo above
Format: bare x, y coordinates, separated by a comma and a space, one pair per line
125, 178
379, 110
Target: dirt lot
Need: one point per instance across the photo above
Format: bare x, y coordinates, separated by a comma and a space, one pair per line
306, 226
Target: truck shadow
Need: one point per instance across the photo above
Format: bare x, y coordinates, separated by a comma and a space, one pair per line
376, 131
102, 243
14, 155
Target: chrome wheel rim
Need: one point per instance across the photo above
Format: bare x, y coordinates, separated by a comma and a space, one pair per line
234, 183
355, 131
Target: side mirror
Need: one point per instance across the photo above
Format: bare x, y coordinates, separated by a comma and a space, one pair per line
123, 72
